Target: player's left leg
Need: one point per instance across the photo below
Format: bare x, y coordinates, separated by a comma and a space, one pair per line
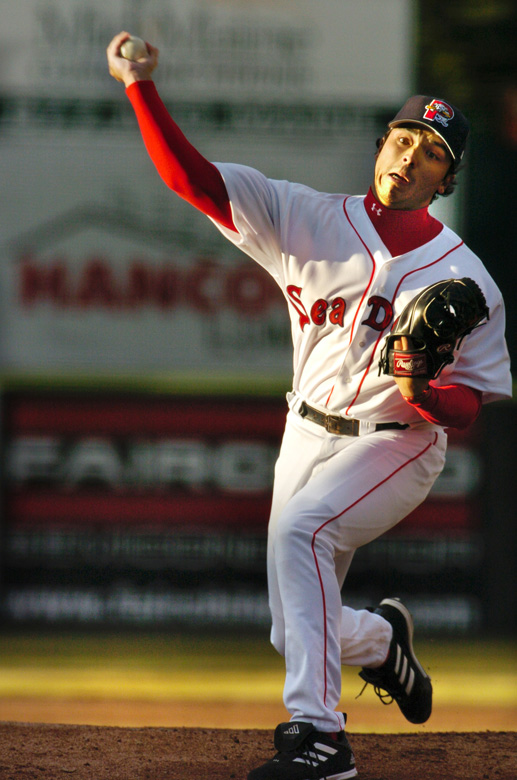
304, 448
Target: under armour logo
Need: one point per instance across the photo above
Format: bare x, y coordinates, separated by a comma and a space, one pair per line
376, 209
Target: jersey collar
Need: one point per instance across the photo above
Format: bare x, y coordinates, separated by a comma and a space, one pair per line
401, 231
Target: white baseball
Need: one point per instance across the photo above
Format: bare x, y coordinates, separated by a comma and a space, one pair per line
133, 49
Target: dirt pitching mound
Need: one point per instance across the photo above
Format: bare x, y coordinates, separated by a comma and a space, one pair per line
54, 752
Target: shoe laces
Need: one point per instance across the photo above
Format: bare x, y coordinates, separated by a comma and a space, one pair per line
308, 754
385, 697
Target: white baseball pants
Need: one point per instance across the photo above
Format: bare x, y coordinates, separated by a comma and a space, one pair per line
333, 494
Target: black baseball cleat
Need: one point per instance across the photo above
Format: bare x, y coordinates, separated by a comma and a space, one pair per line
307, 754
401, 676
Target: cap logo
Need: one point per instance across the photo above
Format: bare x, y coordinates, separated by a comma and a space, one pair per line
439, 111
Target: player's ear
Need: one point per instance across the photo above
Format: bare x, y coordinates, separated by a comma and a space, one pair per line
448, 180
381, 141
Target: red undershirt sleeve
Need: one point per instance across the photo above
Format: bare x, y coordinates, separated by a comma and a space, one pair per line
180, 165
452, 406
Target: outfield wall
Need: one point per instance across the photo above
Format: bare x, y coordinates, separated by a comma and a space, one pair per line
150, 509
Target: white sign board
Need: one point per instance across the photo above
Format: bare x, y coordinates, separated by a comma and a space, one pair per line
354, 50
102, 268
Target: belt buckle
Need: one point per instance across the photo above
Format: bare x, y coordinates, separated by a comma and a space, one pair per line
333, 423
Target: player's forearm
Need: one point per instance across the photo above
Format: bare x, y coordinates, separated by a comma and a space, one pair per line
452, 406
180, 165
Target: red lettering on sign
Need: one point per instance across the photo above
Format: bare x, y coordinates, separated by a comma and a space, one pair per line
205, 286
249, 289
47, 283
167, 287
97, 285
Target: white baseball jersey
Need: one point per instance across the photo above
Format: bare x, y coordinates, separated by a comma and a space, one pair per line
334, 493
344, 291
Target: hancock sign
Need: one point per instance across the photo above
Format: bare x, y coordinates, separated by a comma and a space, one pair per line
95, 288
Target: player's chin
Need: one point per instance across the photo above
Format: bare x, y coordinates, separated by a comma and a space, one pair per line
405, 198
389, 193
392, 199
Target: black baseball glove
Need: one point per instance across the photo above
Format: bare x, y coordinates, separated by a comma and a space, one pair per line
435, 322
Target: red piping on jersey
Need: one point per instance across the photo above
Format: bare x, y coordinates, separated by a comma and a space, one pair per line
366, 288
327, 522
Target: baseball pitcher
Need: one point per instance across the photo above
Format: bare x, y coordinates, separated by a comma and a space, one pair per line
398, 334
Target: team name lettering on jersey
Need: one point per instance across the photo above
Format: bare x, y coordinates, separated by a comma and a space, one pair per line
334, 310
320, 308
381, 313
294, 298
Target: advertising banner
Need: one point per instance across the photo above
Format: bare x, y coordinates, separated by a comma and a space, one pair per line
131, 508
215, 49
102, 268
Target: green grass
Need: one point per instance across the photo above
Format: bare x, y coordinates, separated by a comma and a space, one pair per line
171, 383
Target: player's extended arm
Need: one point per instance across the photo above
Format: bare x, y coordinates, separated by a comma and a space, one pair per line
180, 165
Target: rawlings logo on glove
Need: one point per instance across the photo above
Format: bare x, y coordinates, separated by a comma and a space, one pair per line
436, 321
408, 364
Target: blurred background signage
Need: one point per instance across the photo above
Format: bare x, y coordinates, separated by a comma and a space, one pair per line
149, 504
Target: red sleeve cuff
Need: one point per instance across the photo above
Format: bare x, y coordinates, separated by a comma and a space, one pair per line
451, 406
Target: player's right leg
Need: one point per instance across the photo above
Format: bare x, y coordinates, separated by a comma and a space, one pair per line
304, 753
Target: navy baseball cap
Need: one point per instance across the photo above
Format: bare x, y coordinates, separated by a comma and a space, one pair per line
442, 118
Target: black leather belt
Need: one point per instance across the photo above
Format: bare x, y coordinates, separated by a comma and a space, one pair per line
334, 423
